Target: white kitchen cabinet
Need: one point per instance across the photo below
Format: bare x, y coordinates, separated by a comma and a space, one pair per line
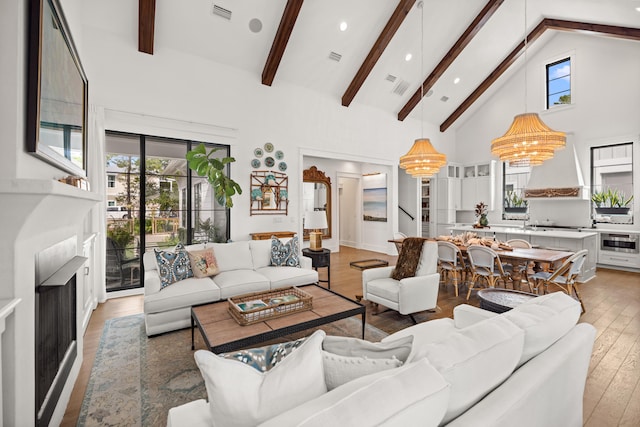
478, 185
447, 199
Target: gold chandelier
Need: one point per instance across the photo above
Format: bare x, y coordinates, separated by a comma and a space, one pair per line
528, 142
422, 160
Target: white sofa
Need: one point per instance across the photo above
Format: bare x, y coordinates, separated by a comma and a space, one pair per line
525, 367
244, 267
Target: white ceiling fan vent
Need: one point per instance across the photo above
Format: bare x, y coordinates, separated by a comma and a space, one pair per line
335, 56
401, 87
391, 78
221, 12
444, 99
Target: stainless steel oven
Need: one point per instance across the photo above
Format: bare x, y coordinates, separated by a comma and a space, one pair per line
620, 242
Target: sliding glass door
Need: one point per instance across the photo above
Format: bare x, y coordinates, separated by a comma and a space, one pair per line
153, 201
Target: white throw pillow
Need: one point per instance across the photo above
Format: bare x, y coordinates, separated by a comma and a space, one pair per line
346, 358
239, 395
475, 360
544, 320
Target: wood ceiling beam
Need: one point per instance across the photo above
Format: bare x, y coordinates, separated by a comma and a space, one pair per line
287, 22
146, 25
544, 25
396, 19
462, 42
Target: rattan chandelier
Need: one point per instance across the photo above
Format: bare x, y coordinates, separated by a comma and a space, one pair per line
528, 142
422, 160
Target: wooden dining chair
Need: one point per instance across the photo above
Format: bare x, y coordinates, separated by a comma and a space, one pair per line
564, 277
520, 271
451, 263
485, 264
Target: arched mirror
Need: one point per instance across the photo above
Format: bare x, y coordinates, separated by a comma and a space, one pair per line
316, 190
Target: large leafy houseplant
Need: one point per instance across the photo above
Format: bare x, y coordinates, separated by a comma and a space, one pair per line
204, 164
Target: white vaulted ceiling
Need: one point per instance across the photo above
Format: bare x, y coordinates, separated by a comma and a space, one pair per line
190, 26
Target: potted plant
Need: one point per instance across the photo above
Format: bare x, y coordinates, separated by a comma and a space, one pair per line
213, 169
481, 213
513, 203
611, 202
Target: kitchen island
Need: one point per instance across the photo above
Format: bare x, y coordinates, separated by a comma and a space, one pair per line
564, 240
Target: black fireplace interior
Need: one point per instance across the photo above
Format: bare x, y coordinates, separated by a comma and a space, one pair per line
55, 323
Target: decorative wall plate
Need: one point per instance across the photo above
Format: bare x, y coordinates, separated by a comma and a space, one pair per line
269, 162
282, 166
255, 163
279, 155
257, 152
268, 147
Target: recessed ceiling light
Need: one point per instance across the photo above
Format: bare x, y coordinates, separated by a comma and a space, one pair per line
343, 26
638, 9
255, 25
456, 80
408, 57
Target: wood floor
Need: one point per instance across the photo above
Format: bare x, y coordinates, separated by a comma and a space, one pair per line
612, 300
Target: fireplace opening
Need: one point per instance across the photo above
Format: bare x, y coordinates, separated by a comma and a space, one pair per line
55, 323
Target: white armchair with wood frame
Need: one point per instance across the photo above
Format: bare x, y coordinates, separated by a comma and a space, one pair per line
410, 294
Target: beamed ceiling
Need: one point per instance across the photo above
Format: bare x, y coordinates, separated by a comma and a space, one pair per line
477, 41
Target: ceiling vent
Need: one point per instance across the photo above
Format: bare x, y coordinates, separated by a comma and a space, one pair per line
391, 78
444, 99
222, 12
335, 56
401, 87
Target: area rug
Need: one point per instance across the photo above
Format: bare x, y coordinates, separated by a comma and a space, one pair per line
135, 380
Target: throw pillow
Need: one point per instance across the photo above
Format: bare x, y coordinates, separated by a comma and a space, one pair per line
203, 263
239, 395
408, 259
173, 266
267, 357
285, 254
346, 359
340, 370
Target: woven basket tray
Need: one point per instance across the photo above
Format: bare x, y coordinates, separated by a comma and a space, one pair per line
260, 306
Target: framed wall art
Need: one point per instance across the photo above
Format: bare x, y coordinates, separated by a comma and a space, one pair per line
56, 91
374, 197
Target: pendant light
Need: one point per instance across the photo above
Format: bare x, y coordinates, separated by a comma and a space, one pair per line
422, 160
528, 142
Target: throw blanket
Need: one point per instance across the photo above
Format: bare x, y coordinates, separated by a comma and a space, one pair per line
409, 258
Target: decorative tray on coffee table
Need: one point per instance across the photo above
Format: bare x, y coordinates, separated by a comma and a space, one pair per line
260, 306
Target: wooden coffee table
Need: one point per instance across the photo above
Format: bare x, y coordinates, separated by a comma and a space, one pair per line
222, 333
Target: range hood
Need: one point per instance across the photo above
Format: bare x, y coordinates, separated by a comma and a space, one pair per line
559, 177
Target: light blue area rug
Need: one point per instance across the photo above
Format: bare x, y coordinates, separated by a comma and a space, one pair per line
135, 380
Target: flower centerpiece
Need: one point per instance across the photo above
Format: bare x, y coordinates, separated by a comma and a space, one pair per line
481, 214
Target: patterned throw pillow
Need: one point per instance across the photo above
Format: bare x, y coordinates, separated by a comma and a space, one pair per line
173, 265
285, 254
203, 263
265, 358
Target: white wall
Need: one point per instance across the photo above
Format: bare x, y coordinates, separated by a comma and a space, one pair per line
606, 106
194, 90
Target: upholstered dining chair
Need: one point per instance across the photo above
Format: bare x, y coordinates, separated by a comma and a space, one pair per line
485, 264
452, 263
407, 295
564, 277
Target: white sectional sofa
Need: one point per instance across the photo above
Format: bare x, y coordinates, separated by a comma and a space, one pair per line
525, 367
244, 267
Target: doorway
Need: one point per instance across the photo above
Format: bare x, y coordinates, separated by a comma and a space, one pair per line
349, 202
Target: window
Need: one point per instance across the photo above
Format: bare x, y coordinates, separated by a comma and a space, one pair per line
157, 202
514, 182
111, 181
612, 183
559, 82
